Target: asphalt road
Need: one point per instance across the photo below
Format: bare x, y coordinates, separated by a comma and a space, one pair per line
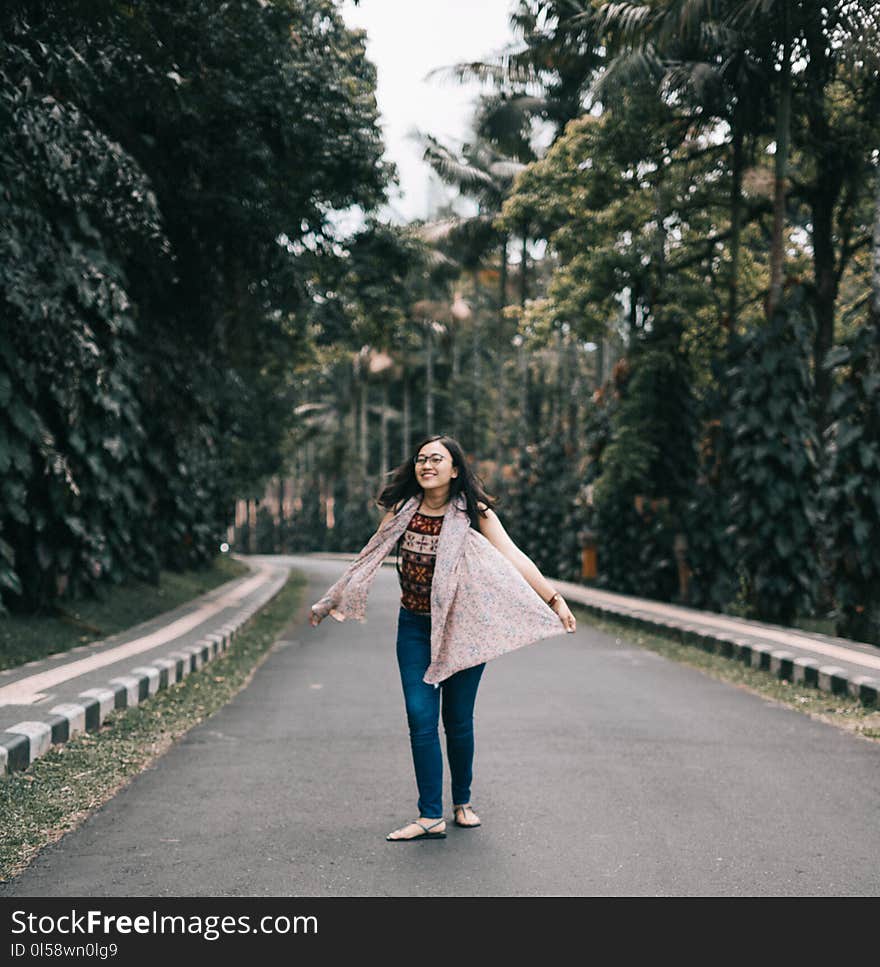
600, 770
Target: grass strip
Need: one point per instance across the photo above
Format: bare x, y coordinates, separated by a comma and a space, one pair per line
61, 788
842, 711
120, 607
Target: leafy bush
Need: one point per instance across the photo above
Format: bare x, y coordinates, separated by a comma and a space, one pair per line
773, 464
852, 496
645, 477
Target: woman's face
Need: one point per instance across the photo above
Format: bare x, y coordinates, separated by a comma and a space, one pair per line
435, 474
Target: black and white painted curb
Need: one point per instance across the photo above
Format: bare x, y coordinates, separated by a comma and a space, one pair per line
26, 741
778, 662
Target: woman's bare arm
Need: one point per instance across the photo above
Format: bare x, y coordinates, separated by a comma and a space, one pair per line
492, 529
315, 619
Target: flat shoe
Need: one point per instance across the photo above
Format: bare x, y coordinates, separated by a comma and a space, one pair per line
460, 810
426, 835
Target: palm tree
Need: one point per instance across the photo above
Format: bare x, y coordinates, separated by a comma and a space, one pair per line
547, 73
835, 47
708, 53
485, 175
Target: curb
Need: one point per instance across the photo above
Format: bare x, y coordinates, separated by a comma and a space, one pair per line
22, 743
779, 663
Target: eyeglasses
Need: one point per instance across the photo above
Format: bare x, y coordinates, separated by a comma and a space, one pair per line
435, 458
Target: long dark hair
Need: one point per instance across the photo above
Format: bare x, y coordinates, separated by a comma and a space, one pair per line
404, 483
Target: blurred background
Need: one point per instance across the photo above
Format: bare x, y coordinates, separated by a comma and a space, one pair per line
627, 253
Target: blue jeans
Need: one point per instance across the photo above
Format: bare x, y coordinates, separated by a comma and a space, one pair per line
422, 713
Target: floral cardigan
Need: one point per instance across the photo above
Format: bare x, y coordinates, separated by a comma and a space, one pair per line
481, 606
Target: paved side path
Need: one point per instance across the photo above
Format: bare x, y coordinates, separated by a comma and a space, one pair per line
48, 701
833, 664
601, 769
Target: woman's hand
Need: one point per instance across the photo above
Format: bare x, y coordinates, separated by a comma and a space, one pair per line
565, 615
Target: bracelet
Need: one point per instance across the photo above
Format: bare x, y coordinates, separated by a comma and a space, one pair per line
553, 599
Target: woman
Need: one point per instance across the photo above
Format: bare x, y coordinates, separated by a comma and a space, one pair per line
481, 605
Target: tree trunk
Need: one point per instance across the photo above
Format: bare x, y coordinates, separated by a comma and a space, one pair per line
252, 526
352, 449
280, 529
659, 274
476, 382
523, 361
456, 375
875, 274
561, 379
735, 224
429, 376
538, 417
502, 283
383, 443
825, 199
523, 355
496, 348
407, 429
783, 125
364, 428
824, 267
574, 391
633, 313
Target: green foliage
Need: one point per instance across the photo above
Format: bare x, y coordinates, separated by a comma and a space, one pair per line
168, 174
72, 470
852, 496
711, 544
640, 209
635, 549
308, 526
355, 521
541, 511
647, 467
773, 464
266, 532
520, 508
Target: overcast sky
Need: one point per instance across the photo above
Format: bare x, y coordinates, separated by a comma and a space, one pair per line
407, 39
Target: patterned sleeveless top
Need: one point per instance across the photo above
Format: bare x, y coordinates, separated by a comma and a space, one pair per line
416, 555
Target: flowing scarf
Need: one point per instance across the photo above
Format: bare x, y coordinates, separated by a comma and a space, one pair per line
481, 606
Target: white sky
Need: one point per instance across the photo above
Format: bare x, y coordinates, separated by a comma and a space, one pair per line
405, 40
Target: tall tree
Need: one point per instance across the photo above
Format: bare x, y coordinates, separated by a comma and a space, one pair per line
168, 236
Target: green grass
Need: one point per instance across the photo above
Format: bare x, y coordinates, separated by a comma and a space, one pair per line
842, 711
60, 789
30, 637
